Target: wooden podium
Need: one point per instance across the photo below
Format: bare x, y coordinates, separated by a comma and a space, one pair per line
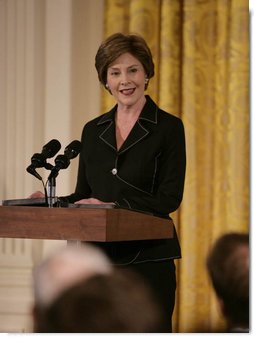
91, 223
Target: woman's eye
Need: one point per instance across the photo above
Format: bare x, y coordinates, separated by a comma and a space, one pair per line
133, 70
114, 73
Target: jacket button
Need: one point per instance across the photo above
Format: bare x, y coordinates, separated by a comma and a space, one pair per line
114, 171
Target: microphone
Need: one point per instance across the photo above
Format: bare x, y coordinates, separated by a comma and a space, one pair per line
38, 160
63, 161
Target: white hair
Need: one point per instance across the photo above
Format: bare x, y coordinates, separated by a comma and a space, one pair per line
64, 268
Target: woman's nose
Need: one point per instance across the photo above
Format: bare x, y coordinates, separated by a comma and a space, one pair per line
125, 79
125, 83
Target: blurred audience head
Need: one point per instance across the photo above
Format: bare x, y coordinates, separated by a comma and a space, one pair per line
228, 268
119, 302
64, 268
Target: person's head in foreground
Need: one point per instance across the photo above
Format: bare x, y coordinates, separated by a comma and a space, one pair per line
62, 269
119, 302
228, 268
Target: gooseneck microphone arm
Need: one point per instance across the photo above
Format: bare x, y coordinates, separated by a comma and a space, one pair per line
61, 162
38, 160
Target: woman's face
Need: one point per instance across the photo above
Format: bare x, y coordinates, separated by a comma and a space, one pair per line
126, 80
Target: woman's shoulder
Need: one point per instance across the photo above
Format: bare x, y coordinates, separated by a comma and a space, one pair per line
101, 119
169, 121
96, 121
97, 124
168, 116
161, 114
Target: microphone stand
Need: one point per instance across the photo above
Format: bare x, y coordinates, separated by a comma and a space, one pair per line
51, 191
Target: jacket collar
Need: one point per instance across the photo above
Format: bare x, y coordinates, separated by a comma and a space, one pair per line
148, 113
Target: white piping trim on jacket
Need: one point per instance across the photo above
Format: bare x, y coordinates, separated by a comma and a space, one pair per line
127, 202
149, 120
104, 131
130, 262
133, 186
158, 260
148, 260
155, 171
131, 145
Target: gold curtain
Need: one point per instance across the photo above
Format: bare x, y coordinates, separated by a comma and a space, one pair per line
201, 54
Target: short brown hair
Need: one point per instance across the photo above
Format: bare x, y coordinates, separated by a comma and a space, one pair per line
120, 302
228, 267
118, 44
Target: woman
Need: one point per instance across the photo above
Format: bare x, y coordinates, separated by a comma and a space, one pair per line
134, 156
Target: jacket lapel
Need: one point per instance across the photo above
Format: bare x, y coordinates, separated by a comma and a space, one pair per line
138, 132
108, 134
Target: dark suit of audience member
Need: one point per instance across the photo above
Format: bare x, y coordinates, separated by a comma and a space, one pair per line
119, 302
228, 268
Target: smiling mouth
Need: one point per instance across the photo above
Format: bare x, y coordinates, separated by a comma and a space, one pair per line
128, 91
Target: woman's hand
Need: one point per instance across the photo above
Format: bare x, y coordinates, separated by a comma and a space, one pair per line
92, 201
37, 194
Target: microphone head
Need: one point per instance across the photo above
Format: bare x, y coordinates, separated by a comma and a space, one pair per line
38, 160
51, 148
73, 149
62, 162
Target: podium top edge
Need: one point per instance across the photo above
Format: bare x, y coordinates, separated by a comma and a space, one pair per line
36, 202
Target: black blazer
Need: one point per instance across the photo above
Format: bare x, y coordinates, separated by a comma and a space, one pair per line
146, 174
